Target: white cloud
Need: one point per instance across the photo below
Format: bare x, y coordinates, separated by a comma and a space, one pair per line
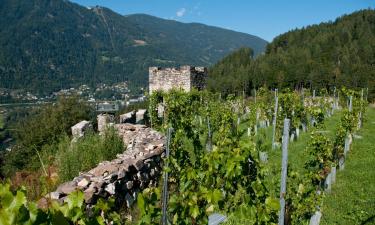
181, 12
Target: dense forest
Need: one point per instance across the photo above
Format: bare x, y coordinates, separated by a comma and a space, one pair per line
339, 53
48, 45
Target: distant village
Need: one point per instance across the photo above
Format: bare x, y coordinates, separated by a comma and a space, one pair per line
118, 92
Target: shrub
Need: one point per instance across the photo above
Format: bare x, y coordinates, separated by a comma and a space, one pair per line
86, 153
42, 128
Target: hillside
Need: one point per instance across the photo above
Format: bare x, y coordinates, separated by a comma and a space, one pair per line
339, 53
47, 45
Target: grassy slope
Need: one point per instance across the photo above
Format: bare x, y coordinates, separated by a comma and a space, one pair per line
352, 200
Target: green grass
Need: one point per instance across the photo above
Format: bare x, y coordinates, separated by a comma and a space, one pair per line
86, 153
352, 200
1, 121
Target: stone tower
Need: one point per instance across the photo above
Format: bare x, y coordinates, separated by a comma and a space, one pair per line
185, 78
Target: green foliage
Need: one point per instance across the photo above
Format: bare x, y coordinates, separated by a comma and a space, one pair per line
290, 106
201, 180
42, 128
302, 198
155, 99
86, 153
148, 203
321, 159
337, 53
15, 209
229, 75
65, 45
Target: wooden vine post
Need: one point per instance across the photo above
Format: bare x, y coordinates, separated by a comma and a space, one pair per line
284, 171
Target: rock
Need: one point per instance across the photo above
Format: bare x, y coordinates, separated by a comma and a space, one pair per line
138, 164
135, 169
139, 175
97, 185
83, 183
121, 174
111, 177
43, 203
88, 195
150, 147
81, 128
140, 116
97, 179
67, 187
110, 188
152, 173
129, 200
129, 185
54, 195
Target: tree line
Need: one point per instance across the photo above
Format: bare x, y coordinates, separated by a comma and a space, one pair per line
333, 54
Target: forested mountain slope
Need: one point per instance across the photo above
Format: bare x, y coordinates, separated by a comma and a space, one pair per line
46, 45
339, 53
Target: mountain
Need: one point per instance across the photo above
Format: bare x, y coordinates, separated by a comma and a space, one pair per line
46, 45
339, 53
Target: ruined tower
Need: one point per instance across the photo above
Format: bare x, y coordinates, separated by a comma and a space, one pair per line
185, 78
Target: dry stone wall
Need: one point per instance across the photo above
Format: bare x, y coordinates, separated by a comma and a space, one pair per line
81, 128
132, 171
104, 121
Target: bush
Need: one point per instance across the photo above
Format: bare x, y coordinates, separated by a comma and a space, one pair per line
43, 128
86, 153
16, 209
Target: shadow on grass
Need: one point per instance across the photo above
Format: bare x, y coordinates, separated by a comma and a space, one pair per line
370, 219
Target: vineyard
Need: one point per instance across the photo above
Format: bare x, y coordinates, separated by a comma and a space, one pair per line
272, 158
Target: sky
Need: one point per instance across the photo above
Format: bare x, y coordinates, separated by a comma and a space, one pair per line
264, 18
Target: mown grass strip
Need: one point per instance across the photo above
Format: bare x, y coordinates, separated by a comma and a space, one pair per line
352, 200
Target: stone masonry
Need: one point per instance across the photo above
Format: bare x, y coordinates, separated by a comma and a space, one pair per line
185, 78
81, 128
138, 167
104, 121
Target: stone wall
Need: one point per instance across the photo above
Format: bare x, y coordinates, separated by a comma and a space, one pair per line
185, 78
104, 121
132, 171
81, 128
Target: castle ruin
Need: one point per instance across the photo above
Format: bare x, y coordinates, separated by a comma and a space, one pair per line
185, 78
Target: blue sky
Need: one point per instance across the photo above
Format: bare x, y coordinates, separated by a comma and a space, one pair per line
264, 18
